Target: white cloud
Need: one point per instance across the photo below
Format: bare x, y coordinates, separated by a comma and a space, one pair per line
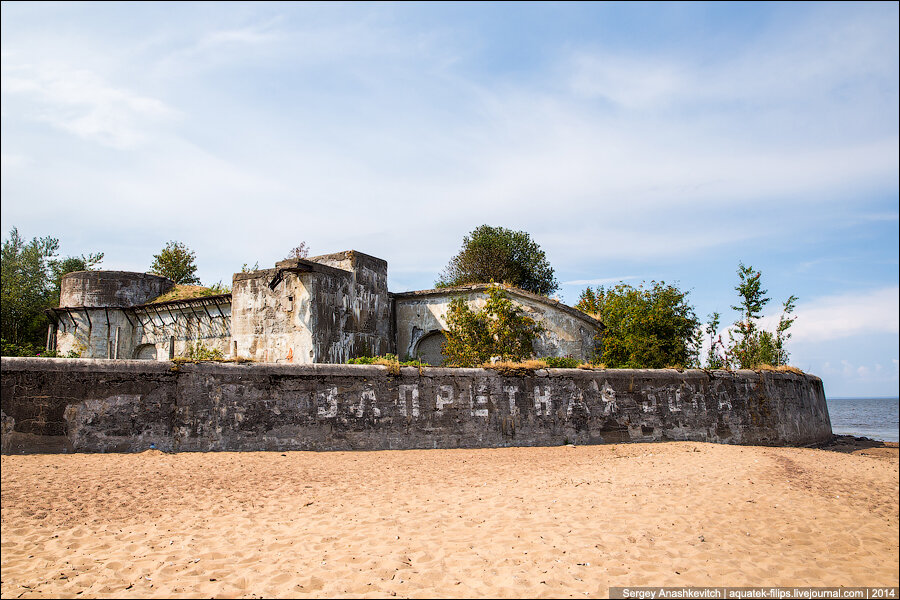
260, 33
12, 161
79, 101
852, 371
845, 315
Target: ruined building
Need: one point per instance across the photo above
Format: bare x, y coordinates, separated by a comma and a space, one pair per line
323, 309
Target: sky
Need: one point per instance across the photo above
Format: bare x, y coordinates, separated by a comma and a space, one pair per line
633, 142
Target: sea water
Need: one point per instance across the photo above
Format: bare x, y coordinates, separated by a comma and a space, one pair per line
875, 418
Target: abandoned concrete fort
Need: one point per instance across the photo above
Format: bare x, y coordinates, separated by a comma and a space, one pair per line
323, 309
327, 309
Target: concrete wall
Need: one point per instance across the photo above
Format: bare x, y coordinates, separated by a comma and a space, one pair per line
111, 288
102, 406
567, 332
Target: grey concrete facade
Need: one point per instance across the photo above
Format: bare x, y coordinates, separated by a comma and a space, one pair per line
421, 317
326, 309
78, 405
323, 309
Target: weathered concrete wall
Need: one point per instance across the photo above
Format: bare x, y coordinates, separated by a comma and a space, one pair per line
143, 332
360, 322
567, 332
272, 325
205, 321
326, 309
102, 406
96, 333
111, 288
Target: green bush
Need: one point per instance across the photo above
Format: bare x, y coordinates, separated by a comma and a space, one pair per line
561, 362
499, 329
26, 349
387, 360
646, 327
199, 351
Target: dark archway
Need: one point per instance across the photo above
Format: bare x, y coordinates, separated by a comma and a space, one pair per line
429, 348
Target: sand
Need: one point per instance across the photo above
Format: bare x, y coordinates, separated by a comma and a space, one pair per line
513, 522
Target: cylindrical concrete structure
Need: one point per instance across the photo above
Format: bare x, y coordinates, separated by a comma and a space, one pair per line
111, 288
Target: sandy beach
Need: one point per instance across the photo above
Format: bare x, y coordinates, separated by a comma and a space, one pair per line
513, 522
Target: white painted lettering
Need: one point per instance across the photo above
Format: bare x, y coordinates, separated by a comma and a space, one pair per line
543, 403
479, 405
511, 391
608, 395
675, 403
411, 390
444, 397
367, 396
327, 403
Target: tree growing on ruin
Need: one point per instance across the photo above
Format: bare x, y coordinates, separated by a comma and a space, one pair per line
498, 329
649, 327
176, 261
496, 254
749, 345
301, 251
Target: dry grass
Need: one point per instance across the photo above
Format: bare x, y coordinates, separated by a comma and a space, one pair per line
779, 369
392, 365
182, 291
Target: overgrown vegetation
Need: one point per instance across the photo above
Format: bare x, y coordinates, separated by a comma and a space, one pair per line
498, 254
199, 351
646, 328
177, 262
188, 292
561, 362
499, 330
749, 346
388, 360
30, 281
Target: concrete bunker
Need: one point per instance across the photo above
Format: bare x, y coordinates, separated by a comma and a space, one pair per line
321, 309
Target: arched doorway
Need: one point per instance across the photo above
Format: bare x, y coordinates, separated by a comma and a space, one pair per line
429, 348
145, 352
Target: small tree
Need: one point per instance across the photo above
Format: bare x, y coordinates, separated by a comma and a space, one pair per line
646, 328
176, 261
301, 251
715, 360
749, 346
498, 329
502, 255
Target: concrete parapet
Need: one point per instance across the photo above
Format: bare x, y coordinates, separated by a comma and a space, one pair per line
79, 405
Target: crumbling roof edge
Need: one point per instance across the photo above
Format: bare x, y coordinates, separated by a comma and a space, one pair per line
167, 303
479, 287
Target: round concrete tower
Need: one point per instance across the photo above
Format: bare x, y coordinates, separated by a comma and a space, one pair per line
111, 288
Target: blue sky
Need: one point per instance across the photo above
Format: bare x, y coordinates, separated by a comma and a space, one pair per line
632, 141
